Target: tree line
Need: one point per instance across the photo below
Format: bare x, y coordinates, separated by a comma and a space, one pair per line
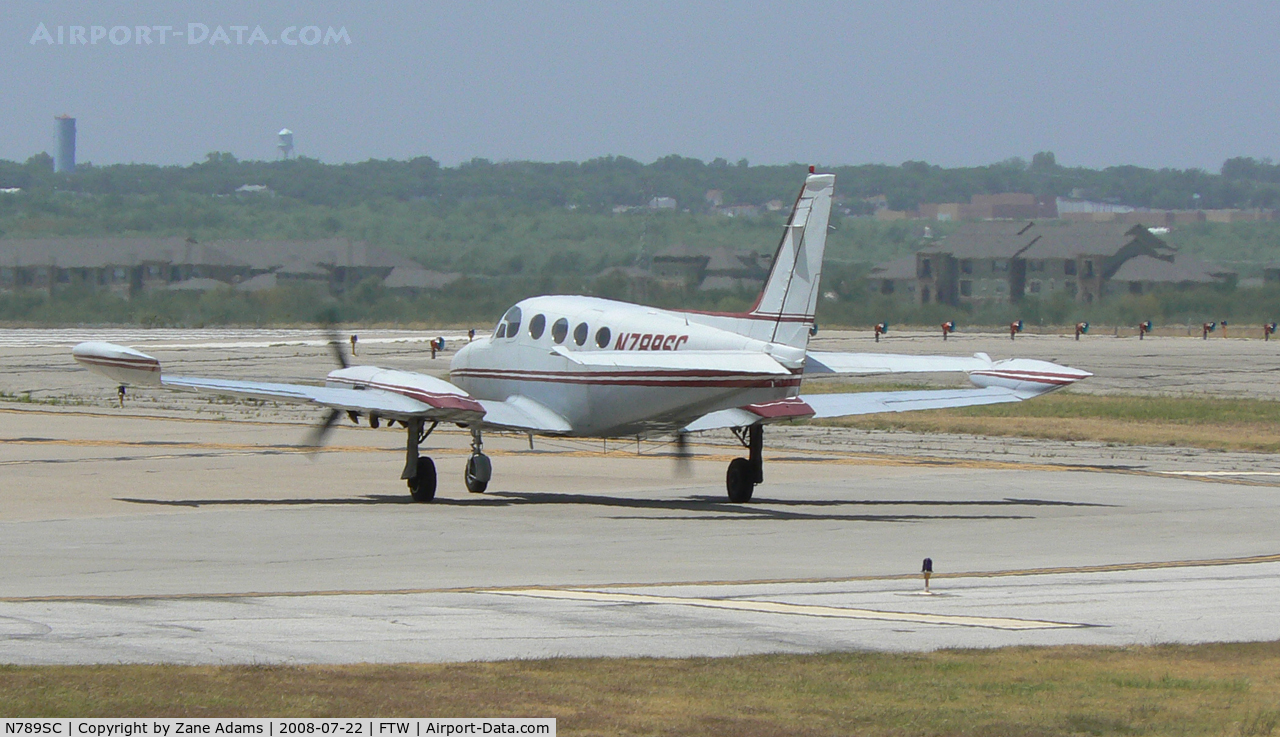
601, 184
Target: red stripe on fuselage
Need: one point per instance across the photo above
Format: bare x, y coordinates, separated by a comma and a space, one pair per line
637, 378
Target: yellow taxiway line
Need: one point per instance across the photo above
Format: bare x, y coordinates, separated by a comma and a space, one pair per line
1102, 568
774, 607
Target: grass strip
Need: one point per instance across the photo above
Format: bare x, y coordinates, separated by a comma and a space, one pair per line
1213, 423
1209, 689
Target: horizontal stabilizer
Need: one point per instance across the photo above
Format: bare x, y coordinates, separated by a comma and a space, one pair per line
867, 403
818, 406
821, 362
737, 362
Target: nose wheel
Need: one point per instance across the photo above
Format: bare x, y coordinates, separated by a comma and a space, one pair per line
479, 469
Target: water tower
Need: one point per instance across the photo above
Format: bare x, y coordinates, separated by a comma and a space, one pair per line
66, 158
286, 143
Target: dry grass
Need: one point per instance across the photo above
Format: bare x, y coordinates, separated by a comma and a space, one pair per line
1220, 424
1192, 690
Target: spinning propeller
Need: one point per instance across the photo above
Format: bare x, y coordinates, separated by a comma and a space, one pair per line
682, 455
328, 320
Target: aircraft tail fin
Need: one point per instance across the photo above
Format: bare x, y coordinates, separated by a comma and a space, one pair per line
784, 312
790, 295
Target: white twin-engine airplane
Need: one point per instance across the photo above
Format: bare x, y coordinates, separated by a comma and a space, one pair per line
570, 366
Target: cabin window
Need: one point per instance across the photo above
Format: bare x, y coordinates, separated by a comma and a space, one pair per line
580, 333
512, 320
559, 330
537, 325
602, 337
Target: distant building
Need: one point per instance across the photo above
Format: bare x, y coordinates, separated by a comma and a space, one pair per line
895, 277
133, 265
662, 203
1142, 274
716, 269
1024, 206
416, 278
1002, 262
1003, 206
740, 211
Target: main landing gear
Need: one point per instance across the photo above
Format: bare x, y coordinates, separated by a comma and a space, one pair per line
419, 471
745, 473
479, 469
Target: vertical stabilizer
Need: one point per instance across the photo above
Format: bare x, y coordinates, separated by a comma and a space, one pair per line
784, 311
790, 295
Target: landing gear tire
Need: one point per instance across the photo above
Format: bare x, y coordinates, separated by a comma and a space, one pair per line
740, 480
479, 471
422, 485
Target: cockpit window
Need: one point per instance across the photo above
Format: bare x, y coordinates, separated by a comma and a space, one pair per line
559, 330
602, 337
501, 332
537, 325
512, 320
580, 333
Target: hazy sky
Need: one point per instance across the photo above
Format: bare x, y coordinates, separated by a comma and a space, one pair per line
1176, 84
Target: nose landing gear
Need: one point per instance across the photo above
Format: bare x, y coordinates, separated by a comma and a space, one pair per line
479, 469
745, 473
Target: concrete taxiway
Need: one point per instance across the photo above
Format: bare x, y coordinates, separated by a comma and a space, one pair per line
163, 533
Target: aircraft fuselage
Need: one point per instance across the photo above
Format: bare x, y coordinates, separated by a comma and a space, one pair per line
529, 354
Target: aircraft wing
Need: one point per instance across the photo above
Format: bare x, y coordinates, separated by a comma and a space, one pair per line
818, 406
375, 401
365, 389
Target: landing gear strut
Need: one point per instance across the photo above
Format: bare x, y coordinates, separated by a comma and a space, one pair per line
479, 469
745, 473
419, 471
